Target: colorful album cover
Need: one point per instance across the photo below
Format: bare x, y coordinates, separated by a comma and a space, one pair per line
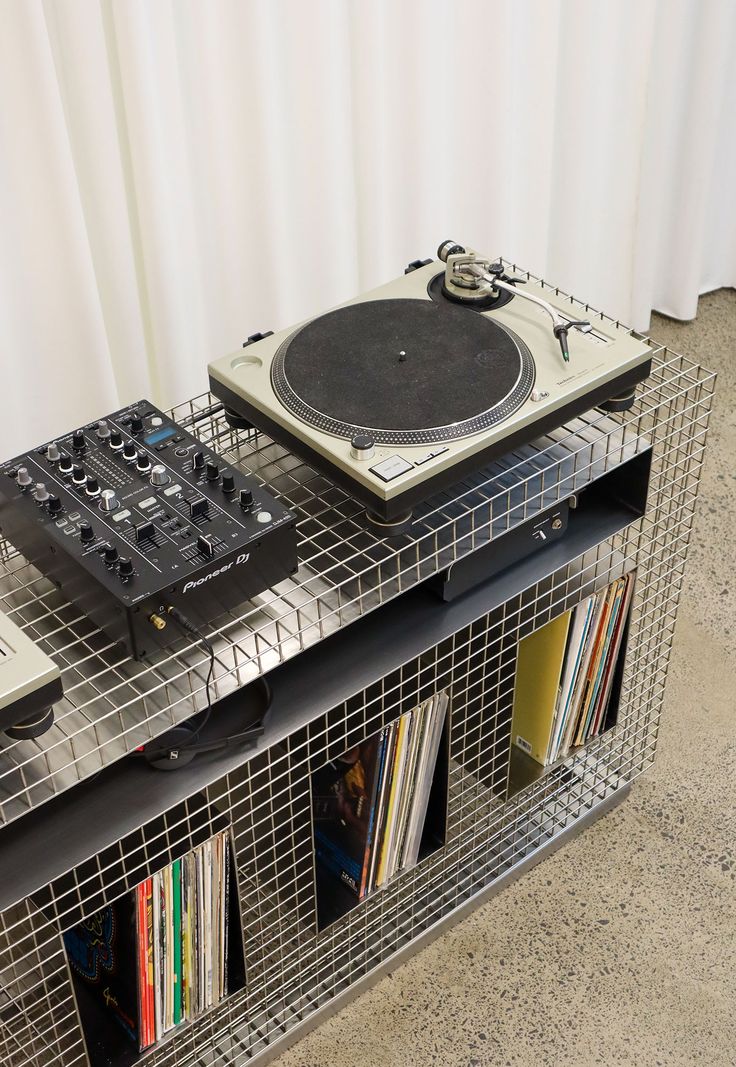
102, 952
343, 796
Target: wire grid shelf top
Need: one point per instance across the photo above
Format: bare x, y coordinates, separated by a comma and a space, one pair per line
113, 704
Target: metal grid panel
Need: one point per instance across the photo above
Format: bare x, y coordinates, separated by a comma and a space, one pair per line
113, 704
292, 971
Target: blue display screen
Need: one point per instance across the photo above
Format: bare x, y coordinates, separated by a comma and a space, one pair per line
160, 435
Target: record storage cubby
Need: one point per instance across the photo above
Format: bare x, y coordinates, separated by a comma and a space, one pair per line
98, 833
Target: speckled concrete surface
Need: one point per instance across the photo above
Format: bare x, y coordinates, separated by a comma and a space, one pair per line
619, 949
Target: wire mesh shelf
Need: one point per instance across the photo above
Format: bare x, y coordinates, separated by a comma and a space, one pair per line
294, 968
113, 704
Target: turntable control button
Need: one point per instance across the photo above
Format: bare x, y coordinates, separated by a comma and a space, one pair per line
391, 468
362, 446
430, 455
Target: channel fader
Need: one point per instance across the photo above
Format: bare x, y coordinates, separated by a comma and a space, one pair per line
132, 514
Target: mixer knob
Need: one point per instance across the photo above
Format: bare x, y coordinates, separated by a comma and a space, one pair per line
111, 555
103, 430
197, 461
143, 463
116, 439
65, 464
23, 478
159, 475
92, 487
54, 505
125, 567
41, 493
86, 533
129, 451
228, 483
52, 452
78, 441
213, 471
78, 475
246, 499
108, 500
136, 424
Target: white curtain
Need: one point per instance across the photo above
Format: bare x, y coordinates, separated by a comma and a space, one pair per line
176, 174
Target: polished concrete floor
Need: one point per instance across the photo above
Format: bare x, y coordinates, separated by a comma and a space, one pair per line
620, 948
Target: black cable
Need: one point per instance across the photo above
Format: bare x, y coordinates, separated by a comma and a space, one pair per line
190, 628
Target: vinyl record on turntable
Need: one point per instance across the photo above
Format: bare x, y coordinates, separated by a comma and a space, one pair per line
404, 371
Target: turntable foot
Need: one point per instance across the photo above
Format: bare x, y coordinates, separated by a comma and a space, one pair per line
235, 421
623, 402
33, 727
389, 527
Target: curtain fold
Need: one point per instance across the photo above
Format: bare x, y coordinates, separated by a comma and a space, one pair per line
177, 175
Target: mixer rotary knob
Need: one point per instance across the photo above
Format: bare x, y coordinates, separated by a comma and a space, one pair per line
108, 500
41, 493
103, 430
52, 452
54, 505
159, 475
23, 478
92, 488
116, 439
129, 451
86, 533
198, 461
65, 465
125, 567
143, 463
136, 424
78, 440
213, 471
228, 483
78, 475
246, 499
111, 555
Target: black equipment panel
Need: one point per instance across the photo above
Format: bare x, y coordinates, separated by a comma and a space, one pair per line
131, 514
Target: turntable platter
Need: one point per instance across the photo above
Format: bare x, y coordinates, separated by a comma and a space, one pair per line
405, 371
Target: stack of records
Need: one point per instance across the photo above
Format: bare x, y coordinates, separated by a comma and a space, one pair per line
565, 674
370, 805
157, 957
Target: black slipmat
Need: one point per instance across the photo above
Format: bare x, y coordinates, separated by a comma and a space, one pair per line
401, 369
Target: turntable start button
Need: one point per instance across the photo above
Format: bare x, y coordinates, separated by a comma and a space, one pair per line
391, 468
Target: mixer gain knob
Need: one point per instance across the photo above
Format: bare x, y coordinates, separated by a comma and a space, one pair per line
108, 500
159, 475
78, 440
